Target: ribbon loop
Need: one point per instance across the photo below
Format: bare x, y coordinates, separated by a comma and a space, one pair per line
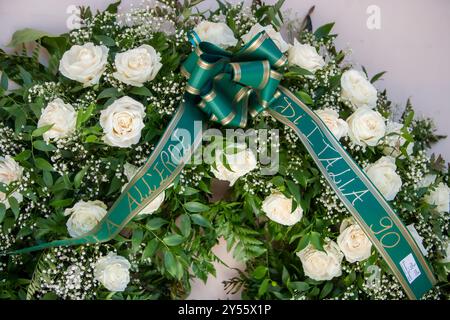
230, 86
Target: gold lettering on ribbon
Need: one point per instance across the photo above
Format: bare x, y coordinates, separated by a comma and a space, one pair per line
149, 188
330, 162
288, 107
386, 223
159, 170
131, 201
165, 159
357, 194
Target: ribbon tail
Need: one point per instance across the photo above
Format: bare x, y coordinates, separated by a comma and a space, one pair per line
175, 148
372, 212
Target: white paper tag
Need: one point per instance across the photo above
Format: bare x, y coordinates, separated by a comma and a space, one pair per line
410, 268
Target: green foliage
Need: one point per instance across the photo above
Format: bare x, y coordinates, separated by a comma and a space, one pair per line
174, 243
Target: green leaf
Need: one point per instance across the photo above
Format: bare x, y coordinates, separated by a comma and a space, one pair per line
316, 240
48, 178
189, 191
4, 81
108, 93
304, 97
285, 276
173, 240
14, 206
170, 263
263, 287
377, 77
43, 146
24, 155
298, 71
141, 91
294, 190
299, 286
408, 119
304, 241
61, 203
324, 30
278, 181
2, 212
79, 177
196, 206
27, 35
150, 249
115, 185
43, 164
105, 40
156, 223
25, 75
84, 115
200, 220
260, 272
326, 290
136, 239
41, 130
185, 225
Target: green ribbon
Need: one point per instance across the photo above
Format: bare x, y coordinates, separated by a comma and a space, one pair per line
228, 88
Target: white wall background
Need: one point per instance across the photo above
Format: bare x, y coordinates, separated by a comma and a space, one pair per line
412, 44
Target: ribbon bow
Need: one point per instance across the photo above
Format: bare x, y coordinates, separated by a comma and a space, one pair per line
228, 87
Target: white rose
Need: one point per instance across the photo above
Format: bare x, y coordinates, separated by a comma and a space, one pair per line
354, 243
366, 127
10, 171
217, 33
338, 127
84, 63
241, 162
278, 208
122, 122
320, 265
439, 197
62, 116
137, 66
113, 272
84, 216
394, 141
274, 35
426, 181
383, 175
130, 171
305, 56
356, 89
